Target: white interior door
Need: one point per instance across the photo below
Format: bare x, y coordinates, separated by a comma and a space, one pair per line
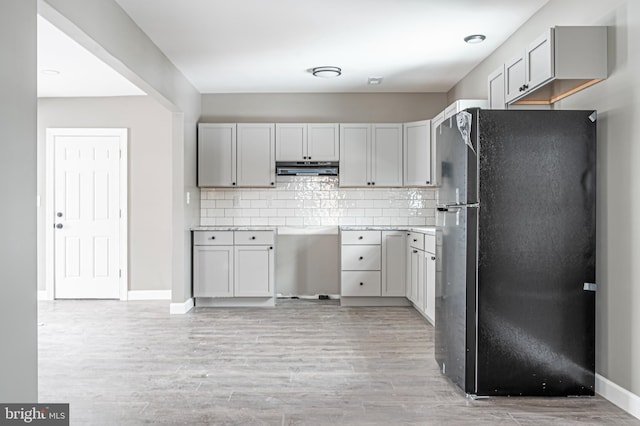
87, 212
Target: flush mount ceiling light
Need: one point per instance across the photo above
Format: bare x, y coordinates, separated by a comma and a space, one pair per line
326, 72
475, 38
374, 81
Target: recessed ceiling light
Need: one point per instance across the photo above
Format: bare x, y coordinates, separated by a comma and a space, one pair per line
50, 72
326, 72
475, 38
374, 81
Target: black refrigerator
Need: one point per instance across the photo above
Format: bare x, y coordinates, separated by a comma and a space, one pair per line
515, 290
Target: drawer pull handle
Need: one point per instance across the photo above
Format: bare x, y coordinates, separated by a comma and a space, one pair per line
361, 258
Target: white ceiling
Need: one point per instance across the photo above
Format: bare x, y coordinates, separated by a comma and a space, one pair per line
81, 74
254, 46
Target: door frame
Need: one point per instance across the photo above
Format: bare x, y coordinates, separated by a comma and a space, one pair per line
49, 205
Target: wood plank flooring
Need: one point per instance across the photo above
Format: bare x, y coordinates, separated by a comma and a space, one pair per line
301, 363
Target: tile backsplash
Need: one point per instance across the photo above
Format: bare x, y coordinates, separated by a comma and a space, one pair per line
316, 201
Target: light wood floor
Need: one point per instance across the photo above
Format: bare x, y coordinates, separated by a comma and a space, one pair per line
306, 363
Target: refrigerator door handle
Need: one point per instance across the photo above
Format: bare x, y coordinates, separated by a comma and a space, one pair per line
448, 207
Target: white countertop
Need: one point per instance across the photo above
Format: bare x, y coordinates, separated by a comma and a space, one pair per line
317, 230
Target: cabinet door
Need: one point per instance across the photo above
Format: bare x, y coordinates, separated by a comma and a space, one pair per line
393, 263
430, 284
415, 259
256, 155
539, 60
354, 154
514, 78
496, 89
213, 271
323, 142
216, 154
254, 271
386, 155
417, 153
291, 142
421, 282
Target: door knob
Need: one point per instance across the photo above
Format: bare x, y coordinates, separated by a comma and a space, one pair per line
59, 226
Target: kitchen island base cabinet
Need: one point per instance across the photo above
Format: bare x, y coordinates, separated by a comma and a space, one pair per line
234, 268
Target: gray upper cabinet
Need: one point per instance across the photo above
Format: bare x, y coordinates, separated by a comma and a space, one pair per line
417, 153
256, 155
236, 155
371, 155
217, 154
307, 142
496, 89
558, 63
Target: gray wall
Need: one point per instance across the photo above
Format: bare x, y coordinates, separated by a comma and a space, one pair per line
18, 333
106, 30
322, 107
149, 172
618, 205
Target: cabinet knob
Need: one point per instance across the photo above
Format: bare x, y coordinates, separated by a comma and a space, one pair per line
273, 183
361, 283
304, 158
368, 183
271, 248
373, 183
233, 183
360, 237
253, 238
213, 238
59, 225
415, 251
433, 258
415, 240
309, 158
361, 258
428, 182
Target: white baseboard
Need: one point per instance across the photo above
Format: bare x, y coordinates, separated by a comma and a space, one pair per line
621, 397
149, 295
181, 308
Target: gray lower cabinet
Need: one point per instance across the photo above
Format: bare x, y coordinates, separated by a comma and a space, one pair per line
233, 264
421, 272
372, 266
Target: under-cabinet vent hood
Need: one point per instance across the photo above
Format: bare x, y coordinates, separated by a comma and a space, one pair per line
307, 168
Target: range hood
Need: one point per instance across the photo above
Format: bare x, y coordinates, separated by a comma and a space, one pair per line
307, 168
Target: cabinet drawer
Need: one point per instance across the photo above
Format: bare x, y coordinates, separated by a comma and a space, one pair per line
416, 240
361, 258
430, 243
361, 237
259, 238
212, 238
360, 283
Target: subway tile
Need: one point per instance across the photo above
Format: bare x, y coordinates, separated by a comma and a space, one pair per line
373, 212
329, 204
382, 221
391, 212
277, 221
355, 212
294, 204
346, 221
251, 195
250, 213
207, 221
259, 221
329, 221
241, 221
278, 204
364, 221
224, 204
365, 204
285, 195
259, 204
224, 221
232, 212
285, 212
399, 221
215, 212
207, 204
294, 221
268, 212
312, 221
312, 204
347, 204
417, 221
